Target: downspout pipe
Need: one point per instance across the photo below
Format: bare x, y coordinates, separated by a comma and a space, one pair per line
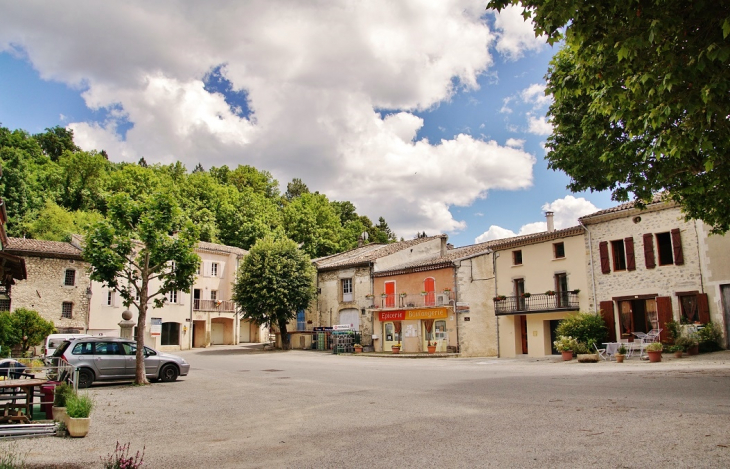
590, 264
495, 255
456, 299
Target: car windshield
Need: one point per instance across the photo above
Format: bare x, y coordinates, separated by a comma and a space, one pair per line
61, 348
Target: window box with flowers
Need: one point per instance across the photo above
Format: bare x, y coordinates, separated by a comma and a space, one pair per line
499, 298
526, 295
403, 295
550, 293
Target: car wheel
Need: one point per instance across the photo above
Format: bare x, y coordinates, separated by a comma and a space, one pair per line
86, 377
168, 373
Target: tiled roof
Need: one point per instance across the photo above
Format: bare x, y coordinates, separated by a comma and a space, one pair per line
40, 248
658, 201
367, 253
534, 238
213, 247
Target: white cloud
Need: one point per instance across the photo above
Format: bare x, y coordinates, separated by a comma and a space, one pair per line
315, 76
539, 125
506, 109
515, 143
566, 212
515, 35
535, 95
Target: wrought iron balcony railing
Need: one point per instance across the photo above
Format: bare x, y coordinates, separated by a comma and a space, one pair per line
400, 300
542, 302
213, 305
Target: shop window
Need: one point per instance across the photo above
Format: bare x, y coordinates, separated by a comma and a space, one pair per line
67, 309
439, 330
346, 289
619, 255
69, 279
559, 250
517, 257
170, 333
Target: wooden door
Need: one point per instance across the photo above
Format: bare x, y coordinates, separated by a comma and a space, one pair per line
429, 286
608, 318
523, 333
390, 292
664, 313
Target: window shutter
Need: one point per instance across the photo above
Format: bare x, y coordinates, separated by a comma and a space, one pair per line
703, 308
630, 258
677, 246
181, 297
605, 261
608, 317
221, 266
206, 268
649, 258
664, 315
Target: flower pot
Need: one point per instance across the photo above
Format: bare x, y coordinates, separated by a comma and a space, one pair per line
693, 350
619, 358
395, 349
77, 428
678, 354
358, 349
567, 355
431, 349
654, 356
588, 357
59, 413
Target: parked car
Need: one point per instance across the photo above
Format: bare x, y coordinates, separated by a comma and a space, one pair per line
54, 340
110, 359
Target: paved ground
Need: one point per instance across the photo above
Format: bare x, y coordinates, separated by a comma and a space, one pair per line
310, 409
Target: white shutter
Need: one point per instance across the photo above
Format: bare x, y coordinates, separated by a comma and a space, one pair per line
221, 265
206, 268
181, 297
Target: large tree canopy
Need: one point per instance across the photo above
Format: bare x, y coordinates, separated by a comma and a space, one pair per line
276, 279
641, 92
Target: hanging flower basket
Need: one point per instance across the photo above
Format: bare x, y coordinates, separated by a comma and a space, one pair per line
499, 298
550, 293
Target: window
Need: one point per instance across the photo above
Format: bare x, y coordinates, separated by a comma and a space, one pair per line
516, 257
214, 269
561, 290
619, 255
346, 289
688, 306
664, 246
170, 333
519, 285
559, 250
4, 304
173, 296
109, 298
70, 278
109, 348
439, 328
83, 348
214, 295
301, 323
198, 270
67, 309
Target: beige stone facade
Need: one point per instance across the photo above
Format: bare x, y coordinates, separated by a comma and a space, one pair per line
715, 261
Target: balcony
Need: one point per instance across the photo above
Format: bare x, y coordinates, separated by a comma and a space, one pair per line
214, 305
538, 303
403, 301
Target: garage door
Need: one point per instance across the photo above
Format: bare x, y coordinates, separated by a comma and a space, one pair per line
216, 333
350, 316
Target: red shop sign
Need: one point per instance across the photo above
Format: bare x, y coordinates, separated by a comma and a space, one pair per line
392, 315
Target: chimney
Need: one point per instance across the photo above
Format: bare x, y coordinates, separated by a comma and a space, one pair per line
550, 223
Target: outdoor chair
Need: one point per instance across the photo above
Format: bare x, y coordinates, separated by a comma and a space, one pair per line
601, 352
653, 335
640, 335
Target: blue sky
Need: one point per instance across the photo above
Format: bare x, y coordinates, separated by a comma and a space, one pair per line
434, 121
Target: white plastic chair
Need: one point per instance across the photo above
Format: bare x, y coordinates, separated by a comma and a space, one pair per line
653, 335
601, 352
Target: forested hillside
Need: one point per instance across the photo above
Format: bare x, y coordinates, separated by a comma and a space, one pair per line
53, 189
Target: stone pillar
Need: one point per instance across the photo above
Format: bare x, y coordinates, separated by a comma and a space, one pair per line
127, 326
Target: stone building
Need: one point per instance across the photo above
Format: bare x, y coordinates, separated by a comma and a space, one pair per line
57, 283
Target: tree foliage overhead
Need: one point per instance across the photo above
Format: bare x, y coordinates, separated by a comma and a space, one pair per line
53, 189
143, 250
641, 92
275, 280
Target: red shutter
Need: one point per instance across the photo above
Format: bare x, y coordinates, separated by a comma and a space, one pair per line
607, 315
649, 258
664, 314
605, 261
630, 258
703, 308
677, 245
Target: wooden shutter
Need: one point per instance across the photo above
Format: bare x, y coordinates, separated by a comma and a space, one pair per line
649, 258
677, 246
605, 261
664, 315
608, 317
703, 308
630, 257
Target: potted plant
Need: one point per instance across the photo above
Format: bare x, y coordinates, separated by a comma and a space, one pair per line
499, 298
369, 296
424, 293
78, 410
654, 350
447, 291
358, 348
383, 295
60, 396
550, 292
565, 345
403, 295
620, 354
526, 295
431, 347
395, 349
576, 291
688, 344
677, 350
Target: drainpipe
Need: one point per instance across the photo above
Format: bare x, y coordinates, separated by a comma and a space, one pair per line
495, 255
699, 258
590, 263
190, 328
456, 299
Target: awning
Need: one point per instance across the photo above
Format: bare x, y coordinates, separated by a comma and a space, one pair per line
11, 268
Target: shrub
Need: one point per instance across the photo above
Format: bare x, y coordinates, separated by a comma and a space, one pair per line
655, 347
79, 406
122, 460
709, 338
673, 329
587, 328
61, 394
685, 342
565, 344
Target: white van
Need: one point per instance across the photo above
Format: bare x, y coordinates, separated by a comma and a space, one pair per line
54, 340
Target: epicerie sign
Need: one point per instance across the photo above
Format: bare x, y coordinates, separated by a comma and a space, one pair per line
413, 314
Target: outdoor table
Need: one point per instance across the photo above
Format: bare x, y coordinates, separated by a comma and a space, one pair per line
25, 385
611, 348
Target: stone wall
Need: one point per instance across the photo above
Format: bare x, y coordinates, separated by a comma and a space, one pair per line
329, 304
477, 328
44, 291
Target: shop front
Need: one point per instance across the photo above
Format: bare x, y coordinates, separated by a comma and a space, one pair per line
413, 329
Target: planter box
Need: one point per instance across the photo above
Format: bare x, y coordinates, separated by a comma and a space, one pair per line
588, 358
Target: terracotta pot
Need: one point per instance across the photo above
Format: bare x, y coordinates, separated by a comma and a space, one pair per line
694, 350
678, 354
77, 428
431, 349
59, 414
619, 358
358, 349
654, 356
395, 349
567, 355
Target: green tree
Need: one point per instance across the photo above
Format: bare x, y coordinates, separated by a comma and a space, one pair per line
310, 219
6, 333
55, 223
296, 188
586, 328
641, 90
261, 182
143, 250
84, 175
28, 329
55, 141
276, 279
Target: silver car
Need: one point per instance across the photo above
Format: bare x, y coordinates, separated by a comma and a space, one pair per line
109, 359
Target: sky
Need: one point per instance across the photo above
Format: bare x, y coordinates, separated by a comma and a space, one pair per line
431, 114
